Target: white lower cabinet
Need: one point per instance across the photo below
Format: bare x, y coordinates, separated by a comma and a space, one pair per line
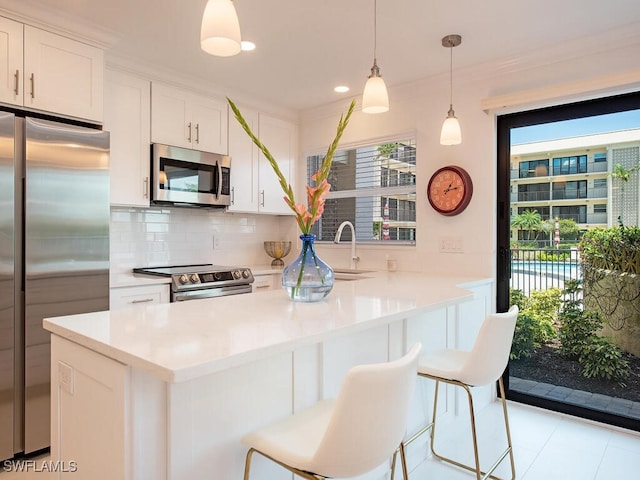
121, 297
90, 406
118, 421
266, 282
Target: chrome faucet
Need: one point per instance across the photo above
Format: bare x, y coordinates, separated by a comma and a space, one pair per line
354, 258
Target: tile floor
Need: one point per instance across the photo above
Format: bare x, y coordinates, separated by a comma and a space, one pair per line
547, 446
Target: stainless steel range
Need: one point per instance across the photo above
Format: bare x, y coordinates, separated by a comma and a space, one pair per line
189, 282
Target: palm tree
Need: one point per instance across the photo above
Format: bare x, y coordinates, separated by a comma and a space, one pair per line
529, 221
622, 173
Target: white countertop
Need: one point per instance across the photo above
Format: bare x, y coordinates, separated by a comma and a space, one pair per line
185, 340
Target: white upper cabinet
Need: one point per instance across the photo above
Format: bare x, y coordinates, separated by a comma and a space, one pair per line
48, 72
244, 163
254, 185
11, 70
127, 115
183, 119
280, 138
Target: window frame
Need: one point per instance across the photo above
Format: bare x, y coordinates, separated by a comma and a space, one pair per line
382, 192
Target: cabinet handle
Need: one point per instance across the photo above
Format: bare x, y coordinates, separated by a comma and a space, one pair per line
142, 300
145, 187
17, 77
197, 133
262, 195
233, 195
189, 136
33, 86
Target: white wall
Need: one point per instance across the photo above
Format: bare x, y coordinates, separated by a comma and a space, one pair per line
583, 69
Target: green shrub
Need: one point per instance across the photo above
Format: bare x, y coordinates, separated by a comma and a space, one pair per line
543, 306
517, 297
550, 256
602, 359
616, 248
578, 328
524, 337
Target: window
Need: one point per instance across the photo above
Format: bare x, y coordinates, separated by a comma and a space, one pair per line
569, 165
600, 208
578, 213
372, 186
534, 168
543, 211
533, 192
600, 183
570, 190
600, 157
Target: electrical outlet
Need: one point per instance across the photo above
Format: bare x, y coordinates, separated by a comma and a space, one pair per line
451, 245
65, 377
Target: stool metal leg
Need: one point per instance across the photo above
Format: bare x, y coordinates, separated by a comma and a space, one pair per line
480, 475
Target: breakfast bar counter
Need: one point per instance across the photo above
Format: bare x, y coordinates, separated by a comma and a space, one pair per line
166, 391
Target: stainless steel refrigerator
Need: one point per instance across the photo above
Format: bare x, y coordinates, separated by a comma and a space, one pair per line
54, 259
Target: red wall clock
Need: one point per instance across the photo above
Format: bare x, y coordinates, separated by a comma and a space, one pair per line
450, 190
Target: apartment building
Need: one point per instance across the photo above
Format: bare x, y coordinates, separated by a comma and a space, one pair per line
574, 178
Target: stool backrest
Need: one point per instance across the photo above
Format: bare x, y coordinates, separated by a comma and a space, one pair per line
369, 419
490, 352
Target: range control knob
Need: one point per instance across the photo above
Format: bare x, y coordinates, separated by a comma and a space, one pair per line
217, 276
194, 278
236, 274
183, 279
245, 274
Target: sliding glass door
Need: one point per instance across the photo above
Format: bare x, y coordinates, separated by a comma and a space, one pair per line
568, 254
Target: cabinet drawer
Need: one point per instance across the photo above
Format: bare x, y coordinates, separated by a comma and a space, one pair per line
144, 295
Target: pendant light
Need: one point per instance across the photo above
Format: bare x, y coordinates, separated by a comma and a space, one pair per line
375, 98
220, 31
451, 134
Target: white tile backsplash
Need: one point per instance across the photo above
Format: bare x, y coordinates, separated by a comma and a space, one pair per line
180, 236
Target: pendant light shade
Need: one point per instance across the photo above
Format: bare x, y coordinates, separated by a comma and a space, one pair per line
451, 133
220, 31
375, 98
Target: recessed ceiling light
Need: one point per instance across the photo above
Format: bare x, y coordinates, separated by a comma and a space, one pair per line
247, 46
341, 89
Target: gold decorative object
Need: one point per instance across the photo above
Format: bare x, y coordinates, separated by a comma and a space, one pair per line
277, 250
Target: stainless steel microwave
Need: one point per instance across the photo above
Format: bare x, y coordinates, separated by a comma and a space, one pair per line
184, 177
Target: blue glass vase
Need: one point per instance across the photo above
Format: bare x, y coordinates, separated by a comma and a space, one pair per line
307, 278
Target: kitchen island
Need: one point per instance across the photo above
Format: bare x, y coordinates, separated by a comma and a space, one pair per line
167, 391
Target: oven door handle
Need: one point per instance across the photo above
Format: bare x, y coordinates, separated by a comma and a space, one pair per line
211, 292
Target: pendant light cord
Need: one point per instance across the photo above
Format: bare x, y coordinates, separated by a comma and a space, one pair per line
450, 74
375, 29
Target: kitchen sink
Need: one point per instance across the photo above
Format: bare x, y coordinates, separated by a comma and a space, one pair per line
349, 274
352, 271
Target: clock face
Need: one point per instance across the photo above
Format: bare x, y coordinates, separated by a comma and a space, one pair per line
450, 190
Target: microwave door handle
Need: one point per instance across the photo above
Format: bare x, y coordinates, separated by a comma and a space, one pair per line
219, 189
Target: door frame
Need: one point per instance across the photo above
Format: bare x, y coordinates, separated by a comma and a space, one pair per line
504, 124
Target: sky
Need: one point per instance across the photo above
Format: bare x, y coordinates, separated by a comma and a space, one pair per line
573, 128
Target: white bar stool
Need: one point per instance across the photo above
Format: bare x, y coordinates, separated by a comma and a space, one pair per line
348, 436
483, 365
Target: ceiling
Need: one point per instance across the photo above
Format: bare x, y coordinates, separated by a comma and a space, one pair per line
307, 47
